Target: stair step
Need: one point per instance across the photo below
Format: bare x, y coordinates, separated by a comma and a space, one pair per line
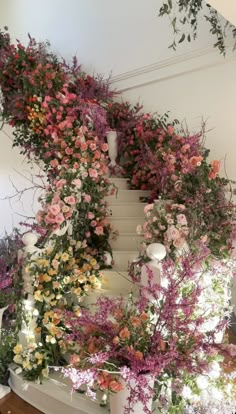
126, 224
122, 259
126, 241
126, 209
121, 183
115, 281
128, 196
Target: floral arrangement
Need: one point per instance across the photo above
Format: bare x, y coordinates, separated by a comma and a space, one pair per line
60, 116
56, 123
167, 224
160, 334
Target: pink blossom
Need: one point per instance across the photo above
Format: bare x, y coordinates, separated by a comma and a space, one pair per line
91, 215
54, 163
77, 182
59, 218
60, 183
93, 173
93, 146
69, 151
54, 209
181, 219
104, 147
148, 207
84, 146
172, 233
70, 200
99, 230
87, 198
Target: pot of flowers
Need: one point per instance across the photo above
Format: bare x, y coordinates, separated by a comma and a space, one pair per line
150, 352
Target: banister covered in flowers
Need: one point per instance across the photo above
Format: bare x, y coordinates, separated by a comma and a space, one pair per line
60, 117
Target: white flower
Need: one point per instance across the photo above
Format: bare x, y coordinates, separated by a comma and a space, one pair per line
202, 382
215, 370
186, 392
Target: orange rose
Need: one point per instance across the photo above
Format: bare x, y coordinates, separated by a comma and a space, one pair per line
115, 386
124, 333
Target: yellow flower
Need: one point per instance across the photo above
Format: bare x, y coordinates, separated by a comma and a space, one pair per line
46, 278
38, 296
77, 291
52, 272
43, 262
92, 279
93, 262
26, 365
45, 372
82, 279
38, 355
67, 280
65, 257
18, 349
18, 359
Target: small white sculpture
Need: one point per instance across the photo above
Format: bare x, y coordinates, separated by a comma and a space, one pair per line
29, 251
29, 239
112, 147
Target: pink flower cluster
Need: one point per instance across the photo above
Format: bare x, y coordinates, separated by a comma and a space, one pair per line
165, 223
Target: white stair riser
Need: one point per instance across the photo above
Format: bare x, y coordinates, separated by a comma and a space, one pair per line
121, 183
126, 224
116, 281
123, 258
128, 196
126, 209
126, 242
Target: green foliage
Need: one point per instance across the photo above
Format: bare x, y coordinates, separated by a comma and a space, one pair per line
7, 343
185, 16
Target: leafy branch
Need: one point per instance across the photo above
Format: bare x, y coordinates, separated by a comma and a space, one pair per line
185, 16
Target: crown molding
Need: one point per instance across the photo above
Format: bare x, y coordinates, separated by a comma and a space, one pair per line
171, 68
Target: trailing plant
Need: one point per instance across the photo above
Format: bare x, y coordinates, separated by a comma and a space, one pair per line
185, 16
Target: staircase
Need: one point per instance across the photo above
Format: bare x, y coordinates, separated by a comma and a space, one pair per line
125, 213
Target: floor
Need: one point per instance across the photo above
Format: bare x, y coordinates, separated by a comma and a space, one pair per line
12, 404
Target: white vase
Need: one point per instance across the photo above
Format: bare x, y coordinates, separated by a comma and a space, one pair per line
112, 147
2, 310
119, 401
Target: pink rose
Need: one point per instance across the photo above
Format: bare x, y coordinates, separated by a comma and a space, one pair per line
69, 151
54, 163
59, 218
87, 198
93, 146
99, 230
70, 200
181, 219
104, 147
54, 209
49, 218
93, 173
77, 182
90, 215
84, 146
60, 183
172, 233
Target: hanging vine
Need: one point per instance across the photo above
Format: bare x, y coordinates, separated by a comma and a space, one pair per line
185, 16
